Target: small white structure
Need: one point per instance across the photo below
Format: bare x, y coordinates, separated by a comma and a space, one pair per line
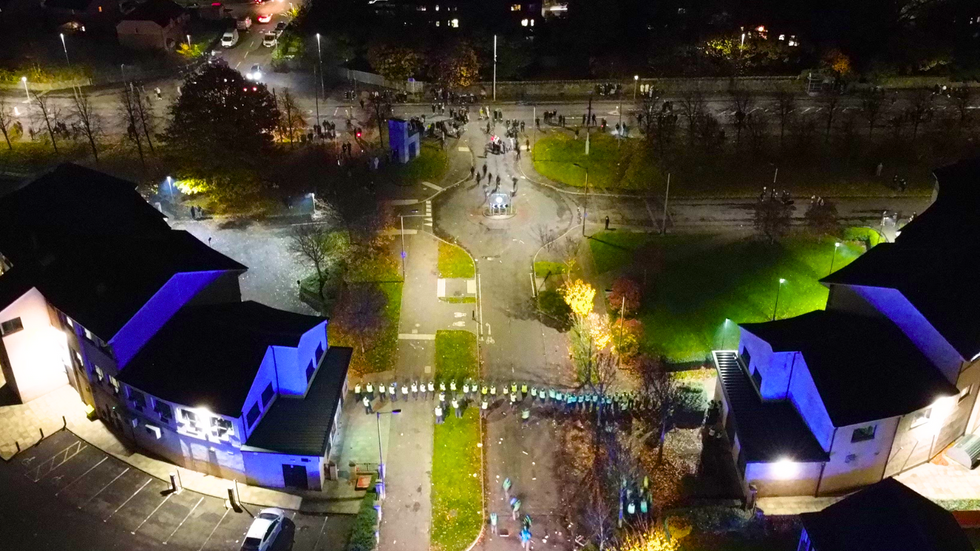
154, 25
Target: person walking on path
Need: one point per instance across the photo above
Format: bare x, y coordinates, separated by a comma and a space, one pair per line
405, 392
459, 414
357, 391
370, 391
432, 390
439, 418
393, 391
507, 485
525, 416
483, 406
516, 505
493, 523
526, 539
367, 405
415, 390
382, 392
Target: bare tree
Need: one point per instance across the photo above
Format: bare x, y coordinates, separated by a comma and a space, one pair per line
89, 120
962, 99
5, 121
872, 101
145, 116
692, 108
772, 216
382, 111
49, 114
785, 105
292, 117
361, 311
741, 105
661, 396
757, 125
831, 106
312, 244
128, 100
920, 108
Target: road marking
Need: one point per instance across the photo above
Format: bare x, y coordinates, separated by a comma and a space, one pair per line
152, 512
650, 212
402, 202
417, 336
470, 286
127, 499
317, 542
479, 299
440, 287
213, 530
83, 474
104, 487
433, 186
401, 232
462, 148
189, 513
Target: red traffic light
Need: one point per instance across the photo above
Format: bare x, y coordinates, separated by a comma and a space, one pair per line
358, 133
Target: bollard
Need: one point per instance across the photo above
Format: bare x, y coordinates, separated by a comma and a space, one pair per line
175, 486
64, 422
42, 432
16, 443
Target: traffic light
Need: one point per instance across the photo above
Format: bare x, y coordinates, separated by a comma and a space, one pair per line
358, 133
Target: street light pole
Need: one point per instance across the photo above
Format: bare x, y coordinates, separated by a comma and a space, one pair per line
27, 92
833, 257
381, 456
65, 48
776, 305
636, 83
402, 218
585, 204
188, 41
319, 60
494, 68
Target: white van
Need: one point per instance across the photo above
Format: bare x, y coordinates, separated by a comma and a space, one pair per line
229, 39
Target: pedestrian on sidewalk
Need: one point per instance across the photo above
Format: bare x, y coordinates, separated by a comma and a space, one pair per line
484, 169
452, 386
493, 392
382, 392
455, 403
517, 151
525, 539
439, 418
607, 222
405, 391
483, 407
504, 388
507, 485
357, 391
472, 171
516, 505
525, 416
466, 387
432, 390
523, 391
370, 391
367, 405
513, 399
415, 390
527, 143
393, 391
534, 394
493, 523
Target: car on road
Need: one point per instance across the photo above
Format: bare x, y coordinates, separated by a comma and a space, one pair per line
244, 23
229, 39
265, 528
280, 26
255, 73
264, 17
269, 40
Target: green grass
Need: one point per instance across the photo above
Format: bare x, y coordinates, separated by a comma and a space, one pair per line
695, 282
429, 166
454, 262
456, 354
624, 165
383, 351
543, 268
459, 300
456, 487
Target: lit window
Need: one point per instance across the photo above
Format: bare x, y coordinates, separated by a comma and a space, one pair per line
455, 23
515, 7
10, 327
115, 384
437, 23
437, 7
100, 9
920, 418
524, 22
863, 434
532, 22
99, 373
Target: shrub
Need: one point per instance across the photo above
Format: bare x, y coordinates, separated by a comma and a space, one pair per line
362, 536
553, 304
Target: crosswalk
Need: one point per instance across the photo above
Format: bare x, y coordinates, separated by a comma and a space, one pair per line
428, 214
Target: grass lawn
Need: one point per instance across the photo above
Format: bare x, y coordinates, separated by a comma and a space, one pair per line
693, 283
544, 268
29, 156
454, 262
429, 166
456, 486
622, 165
455, 354
379, 355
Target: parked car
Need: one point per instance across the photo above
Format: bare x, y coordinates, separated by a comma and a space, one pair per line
229, 39
255, 73
244, 23
265, 528
280, 26
269, 40
264, 17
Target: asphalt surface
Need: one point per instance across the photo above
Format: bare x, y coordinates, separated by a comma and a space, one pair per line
63, 490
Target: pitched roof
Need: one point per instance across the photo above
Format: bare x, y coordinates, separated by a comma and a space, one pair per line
208, 355
69, 206
161, 12
310, 418
886, 516
769, 430
864, 368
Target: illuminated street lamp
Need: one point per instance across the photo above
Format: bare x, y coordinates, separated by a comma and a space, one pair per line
776, 305
170, 184
188, 41
27, 92
65, 48
636, 83
381, 456
319, 61
834, 257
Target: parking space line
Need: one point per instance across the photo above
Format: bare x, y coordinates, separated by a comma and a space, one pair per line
82, 475
322, 528
151, 513
189, 513
213, 530
104, 487
127, 499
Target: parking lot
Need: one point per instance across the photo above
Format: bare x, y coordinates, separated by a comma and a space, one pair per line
63, 490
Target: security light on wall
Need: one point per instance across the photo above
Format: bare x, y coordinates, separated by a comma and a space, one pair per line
785, 469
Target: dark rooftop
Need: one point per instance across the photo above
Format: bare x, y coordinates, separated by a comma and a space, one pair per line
887, 516
77, 5
161, 12
208, 356
301, 426
864, 368
70, 204
768, 431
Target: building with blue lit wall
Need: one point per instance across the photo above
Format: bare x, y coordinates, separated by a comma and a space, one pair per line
147, 324
883, 379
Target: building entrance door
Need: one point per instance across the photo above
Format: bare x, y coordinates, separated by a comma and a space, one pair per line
294, 476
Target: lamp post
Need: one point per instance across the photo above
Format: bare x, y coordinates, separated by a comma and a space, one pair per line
833, 257
188, 41
381, 456
170, 184
636, 83
65, 48
319, 62
776, 305
27, 92
495, 68
585, 205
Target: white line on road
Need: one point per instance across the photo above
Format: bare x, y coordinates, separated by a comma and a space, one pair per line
152, 512
401, 232
417, 336
322, 528
213, 530
104, 487
83, 474
189, 513
479, 299
127, 499
431, 185
402, 202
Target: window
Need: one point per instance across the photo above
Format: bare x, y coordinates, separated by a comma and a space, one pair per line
309, 372
964, 394
863, 434
164, 410
99, 373
10, 327
115, 384
319, 352
515, 7
746, 357
757, 378
252, 415
138, 399
221, 428
267, 395
920, 418
153, 431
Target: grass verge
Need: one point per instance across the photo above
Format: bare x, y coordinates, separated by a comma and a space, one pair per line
429, 166
695, 283
454, 262
455, 354
543, 268
459, 300
623, 165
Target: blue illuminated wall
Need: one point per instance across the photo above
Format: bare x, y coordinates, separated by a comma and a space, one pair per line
805, 398
174, 294
265, 375
265, 469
